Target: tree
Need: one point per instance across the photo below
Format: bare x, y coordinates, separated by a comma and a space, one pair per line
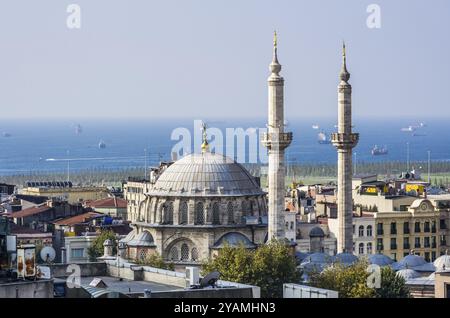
351, 281
348, 281
156, 260
392, 285
96, 249
269, 266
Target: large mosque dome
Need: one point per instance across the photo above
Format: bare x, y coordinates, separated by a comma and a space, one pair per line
206, 174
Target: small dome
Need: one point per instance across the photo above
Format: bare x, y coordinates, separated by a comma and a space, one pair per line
345, 258
408, 273
317, 258
409, 261
108, 242
143, 239
380, 259
129, 237
316, 232
234, 239
442, 262
427, 267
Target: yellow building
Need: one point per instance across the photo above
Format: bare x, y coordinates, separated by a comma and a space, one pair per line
399, 232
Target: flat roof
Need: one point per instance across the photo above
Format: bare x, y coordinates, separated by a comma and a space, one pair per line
129, 286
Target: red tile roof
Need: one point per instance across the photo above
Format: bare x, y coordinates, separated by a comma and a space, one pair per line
17, 229
108, 203
31, 211
77, 219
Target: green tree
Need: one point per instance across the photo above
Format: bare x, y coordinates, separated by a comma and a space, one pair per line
269, 266
96, 249
349, 281
156, 260
392, 285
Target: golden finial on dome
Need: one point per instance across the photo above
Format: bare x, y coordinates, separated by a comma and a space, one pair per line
275, 41
205, 145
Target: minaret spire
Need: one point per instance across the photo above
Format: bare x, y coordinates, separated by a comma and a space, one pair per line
205, 145
344, 75
275, 66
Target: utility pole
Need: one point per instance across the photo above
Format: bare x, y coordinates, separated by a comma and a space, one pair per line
68, 166
145, 163
407, 157
429, 165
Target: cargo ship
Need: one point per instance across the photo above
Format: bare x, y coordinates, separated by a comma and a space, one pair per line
322, 138
378, 151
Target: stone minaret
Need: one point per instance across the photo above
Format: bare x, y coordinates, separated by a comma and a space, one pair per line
344, 140
276, 140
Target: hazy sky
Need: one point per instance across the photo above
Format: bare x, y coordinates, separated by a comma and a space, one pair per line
209, 58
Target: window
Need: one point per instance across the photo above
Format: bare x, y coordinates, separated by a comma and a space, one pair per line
406, 245
379, 244
183, 213
369, 230
417, 242
353, 229
380, 229
393, 243
417, 227
245, 208
433, 242
199, 214
292, 225
427, 256
393, 228
361, 231
184, 252
230, 213
142, 254
369, 247
77, 253
442, 224
194, 254
174, 254
406, 228
426, 241
426, 227
361, 248
433, 227
216, 213
433, 256
168, 213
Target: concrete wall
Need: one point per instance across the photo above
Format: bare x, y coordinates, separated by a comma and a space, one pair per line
27, 289
87, 269
441, 285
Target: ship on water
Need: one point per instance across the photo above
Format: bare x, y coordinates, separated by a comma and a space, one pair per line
322, 138
379, 151
101, 144
78, 129
315, 126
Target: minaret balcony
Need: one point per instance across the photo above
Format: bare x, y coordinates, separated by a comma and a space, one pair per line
273, 140
344, 141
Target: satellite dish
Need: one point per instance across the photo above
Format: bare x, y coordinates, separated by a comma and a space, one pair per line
210, 279
48, 254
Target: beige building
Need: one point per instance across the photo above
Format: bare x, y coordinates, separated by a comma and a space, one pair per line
442, 204
72, 194
399, 232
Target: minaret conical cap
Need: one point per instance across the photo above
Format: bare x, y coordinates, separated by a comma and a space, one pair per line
344, 75
275, 66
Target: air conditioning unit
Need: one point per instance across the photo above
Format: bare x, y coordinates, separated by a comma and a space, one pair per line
192, 276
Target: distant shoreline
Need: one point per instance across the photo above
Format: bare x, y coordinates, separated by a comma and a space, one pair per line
439, 173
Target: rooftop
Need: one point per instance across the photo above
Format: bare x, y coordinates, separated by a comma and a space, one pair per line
31, 211
82, 218
108, 203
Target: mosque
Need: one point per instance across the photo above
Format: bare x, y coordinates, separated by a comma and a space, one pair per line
193, 207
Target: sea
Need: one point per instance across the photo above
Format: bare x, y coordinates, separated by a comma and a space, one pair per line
55, 145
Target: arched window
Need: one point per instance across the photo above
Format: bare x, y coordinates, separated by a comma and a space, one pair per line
169, 213
426, 227
230, 213
183, 218
369, 230
361, 248
142, 254
174, 254
184, 252
216, 213
194, 254
199, 214
246, 206
369, 248
361, 231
